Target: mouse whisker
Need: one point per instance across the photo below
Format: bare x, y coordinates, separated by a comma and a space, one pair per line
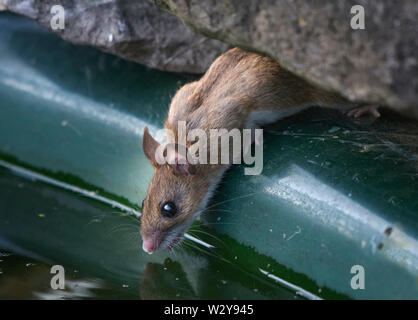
210, 253
125, 214
208, 234
217, 223
121, 228
218, 210
229, 200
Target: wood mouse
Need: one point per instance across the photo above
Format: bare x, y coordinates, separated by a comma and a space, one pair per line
239, 90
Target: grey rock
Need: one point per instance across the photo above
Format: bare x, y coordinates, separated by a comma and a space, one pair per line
136, 30
314, 40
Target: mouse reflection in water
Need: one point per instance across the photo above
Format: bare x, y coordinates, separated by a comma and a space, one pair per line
165, 281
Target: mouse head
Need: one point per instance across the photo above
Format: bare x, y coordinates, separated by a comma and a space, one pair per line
173, 200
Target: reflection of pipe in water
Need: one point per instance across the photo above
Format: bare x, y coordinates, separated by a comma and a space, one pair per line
73, 289
298, 290
165, 281
337, 211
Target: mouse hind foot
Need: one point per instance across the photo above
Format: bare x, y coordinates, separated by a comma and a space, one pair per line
360, 111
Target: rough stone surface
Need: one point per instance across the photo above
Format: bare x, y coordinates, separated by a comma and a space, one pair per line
314, 40
310, 38
136, 30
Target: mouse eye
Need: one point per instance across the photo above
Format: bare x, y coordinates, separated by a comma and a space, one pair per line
168, 209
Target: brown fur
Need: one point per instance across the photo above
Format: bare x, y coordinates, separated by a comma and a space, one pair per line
235, 85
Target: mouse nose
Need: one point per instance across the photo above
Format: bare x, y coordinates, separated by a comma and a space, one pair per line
149, 243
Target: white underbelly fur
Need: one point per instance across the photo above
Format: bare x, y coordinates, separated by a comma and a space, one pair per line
261, 118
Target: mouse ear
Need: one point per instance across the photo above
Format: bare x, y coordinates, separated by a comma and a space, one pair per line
177, 160
149, 145
181, 166
174, 155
